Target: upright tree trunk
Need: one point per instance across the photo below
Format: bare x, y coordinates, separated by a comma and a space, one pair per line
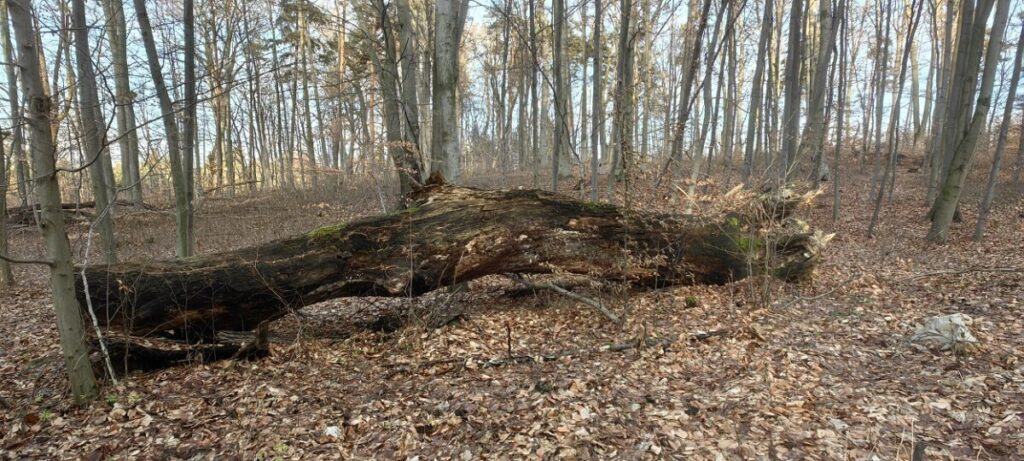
993, 177
188, 148
622, 125
17, 150
310, 148
51, 218
894, 118
183, 208
691, 60
755, 117
387, 70
812, 142
938, 124
559, 166
534, 102
881, 79
966, 141
6, 276
410, 70
841, 109
449, 20
128, 137
791, 108
598, 94
91, 116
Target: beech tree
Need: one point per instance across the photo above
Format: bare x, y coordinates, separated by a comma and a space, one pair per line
182, 204
449, 21
963, 139
51, 218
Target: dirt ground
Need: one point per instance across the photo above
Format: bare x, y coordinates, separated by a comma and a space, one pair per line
818, 370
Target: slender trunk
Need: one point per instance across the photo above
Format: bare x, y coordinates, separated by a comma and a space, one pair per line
894, 119
561, 95
183, 209
188, 147
310, 148
6, 276
841, 109
622, 125
91, 116
791, 109
812, 142
993, 178
935, 165
598, 94
963, 150
51, 218
17, 151
757, 86
128, 138
534, 103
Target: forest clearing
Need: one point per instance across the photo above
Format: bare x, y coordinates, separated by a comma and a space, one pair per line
498, 229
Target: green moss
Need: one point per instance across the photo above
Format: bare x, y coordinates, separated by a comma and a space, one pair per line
596, 206
326, 231
734, 222
691, 301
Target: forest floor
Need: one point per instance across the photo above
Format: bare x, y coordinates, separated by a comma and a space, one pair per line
817, 370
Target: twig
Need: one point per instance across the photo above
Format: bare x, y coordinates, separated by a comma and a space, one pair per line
25, 261
637, 343
88, 303
961, 272
562, 291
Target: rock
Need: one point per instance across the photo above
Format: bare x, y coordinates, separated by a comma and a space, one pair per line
948, 331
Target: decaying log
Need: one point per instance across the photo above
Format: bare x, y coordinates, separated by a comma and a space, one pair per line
448, 235
25, 215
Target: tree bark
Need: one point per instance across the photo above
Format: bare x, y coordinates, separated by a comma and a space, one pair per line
449, 20
449, 235
756, 92
183, 208
58, 248
6, 276
963, 150
791, 108
17, 154
598, 94
993, 178
128, 138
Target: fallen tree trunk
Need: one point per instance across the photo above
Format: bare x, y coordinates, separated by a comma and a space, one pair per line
25, 214
448, 235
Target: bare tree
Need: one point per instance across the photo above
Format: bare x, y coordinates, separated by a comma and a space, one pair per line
51, 218
965, 139
401, 149
449, 21
17, 154
997, 160
598, 94
755, 116
91, 117
128, 138
182, 205
559, 153
6, 276
791, 109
